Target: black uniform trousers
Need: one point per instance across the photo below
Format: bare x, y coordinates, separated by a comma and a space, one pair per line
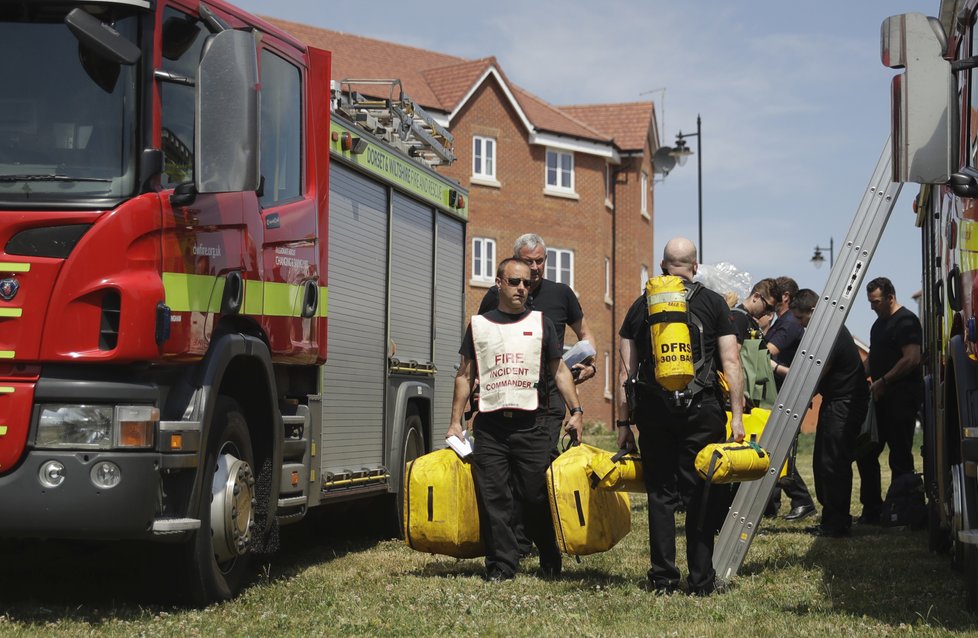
896, 417
554, 413
668, 444
510, 465
839, 421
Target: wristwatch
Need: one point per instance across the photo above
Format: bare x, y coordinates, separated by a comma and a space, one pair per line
577, 410
623, 424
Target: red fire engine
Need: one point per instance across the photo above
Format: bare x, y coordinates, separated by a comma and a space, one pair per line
166, 281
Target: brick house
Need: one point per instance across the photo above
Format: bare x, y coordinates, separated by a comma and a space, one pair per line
580, 176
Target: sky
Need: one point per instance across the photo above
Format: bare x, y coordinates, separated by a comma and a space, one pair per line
793, 99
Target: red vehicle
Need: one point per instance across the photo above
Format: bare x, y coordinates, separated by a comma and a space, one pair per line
165, 170
936, 144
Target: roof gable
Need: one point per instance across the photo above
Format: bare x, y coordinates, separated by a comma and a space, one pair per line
629, 124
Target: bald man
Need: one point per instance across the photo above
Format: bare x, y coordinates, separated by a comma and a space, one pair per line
673, 428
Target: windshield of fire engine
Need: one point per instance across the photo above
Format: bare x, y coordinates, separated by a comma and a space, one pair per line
67, 115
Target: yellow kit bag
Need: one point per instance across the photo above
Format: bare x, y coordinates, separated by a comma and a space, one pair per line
586, 520
621, 472
441, 515
732, 462
665, 297
754, 422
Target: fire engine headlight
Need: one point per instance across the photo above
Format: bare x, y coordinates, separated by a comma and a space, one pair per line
105, 475
51, 474
75, 426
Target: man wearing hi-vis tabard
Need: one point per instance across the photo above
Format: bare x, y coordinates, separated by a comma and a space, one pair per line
675, 424
516, 356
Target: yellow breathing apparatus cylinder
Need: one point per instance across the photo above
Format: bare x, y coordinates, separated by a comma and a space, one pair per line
671, 349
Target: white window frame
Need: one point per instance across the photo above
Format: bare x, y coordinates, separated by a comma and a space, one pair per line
553, 268
645, 195
487, 264
645, 276
607, 375
607, 282
557, 187
485, 172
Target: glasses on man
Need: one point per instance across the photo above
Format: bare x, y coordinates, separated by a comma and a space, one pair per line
516, 281
768, 306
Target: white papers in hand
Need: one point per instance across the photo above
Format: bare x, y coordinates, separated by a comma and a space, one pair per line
462, 446
581, 351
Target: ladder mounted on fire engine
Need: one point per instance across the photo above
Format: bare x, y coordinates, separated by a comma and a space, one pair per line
841, 291
397, 119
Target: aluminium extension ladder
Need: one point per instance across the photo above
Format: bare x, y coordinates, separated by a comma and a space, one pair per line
843, 288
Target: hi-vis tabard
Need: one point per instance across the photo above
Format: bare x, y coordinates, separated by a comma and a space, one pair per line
671, 349
508, 359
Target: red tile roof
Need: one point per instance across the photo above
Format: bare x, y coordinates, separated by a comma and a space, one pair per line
438, 81
628, 124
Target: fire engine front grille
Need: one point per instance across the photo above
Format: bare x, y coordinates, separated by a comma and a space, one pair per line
108, 334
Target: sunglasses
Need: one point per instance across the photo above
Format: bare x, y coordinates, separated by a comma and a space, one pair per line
516, 281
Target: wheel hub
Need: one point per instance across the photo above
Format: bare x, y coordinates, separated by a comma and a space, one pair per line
232, 507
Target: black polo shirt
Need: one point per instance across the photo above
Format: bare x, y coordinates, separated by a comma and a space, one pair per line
887, 338
844, 377
555, 300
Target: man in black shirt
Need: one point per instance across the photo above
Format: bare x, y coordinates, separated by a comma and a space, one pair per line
672, 435
894, 366
515, 353
759, 302
845, 399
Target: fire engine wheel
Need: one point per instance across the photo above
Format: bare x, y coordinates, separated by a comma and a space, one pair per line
220, 560
412, 446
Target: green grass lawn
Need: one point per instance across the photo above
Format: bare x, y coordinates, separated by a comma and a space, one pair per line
332, 580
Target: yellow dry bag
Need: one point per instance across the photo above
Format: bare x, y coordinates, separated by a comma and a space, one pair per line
441, 515
586, 520
621, 472
732, 462
671, 349
754, 422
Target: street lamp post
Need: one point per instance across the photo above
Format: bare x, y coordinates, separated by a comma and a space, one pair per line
681, 153
818, 259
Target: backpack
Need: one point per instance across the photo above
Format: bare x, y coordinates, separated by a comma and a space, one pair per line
759, 385
904, 503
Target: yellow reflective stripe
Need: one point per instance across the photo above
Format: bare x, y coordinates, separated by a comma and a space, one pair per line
967, 260
282, 300
3, 430
253, 297
6, 389
203, 293
12, 266
11, 312
198, 293
7, 354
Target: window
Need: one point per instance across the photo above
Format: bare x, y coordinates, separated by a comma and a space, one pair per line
645, 195
484, 157
183, 42
607, 281
560, 266
645, 276
281, 130
560, 171
483, 259
607, 375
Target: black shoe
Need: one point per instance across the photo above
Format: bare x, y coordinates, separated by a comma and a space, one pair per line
660, 589
818, 530
868, 519
772, 509
800, 512
702, 591
497, 576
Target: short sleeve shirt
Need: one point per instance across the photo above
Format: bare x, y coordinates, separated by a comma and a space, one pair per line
785, 335
745, 326
555, 300
887, 338
550, 351
845, 377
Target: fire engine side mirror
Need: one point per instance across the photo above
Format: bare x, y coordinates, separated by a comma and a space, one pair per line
101, 38
227, 118
924, 106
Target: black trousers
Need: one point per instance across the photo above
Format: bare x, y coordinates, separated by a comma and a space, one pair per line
510, 466
839, 421
896, 417
668, 443
793, 485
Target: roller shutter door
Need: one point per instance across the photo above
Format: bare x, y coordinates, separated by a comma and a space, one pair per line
449, 319
412, 252
354, 377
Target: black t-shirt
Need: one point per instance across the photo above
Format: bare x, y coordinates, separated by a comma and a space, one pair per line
546, 385
844, 376
745, 326
555, 300
711, 310
886, 340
